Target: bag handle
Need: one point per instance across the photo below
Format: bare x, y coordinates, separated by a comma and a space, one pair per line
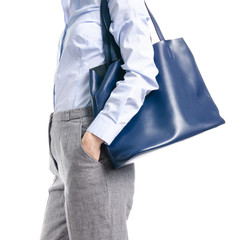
111, 49
157, 28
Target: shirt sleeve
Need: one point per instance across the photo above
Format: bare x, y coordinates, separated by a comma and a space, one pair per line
129, 26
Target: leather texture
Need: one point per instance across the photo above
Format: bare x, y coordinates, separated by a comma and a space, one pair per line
181, 108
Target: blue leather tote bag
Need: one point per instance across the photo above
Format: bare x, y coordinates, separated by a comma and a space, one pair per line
181, 108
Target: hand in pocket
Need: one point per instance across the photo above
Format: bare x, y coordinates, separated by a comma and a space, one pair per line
91, 144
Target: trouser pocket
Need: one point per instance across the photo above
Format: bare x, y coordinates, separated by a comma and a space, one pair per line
83, 125
53, 166
72, 132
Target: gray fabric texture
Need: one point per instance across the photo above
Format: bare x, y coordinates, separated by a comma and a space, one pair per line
88, 199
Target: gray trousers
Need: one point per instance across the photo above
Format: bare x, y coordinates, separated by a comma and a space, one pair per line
88, 200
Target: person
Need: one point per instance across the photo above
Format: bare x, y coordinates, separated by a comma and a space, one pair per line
88, 199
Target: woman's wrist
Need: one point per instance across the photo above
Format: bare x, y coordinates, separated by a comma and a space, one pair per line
94, 139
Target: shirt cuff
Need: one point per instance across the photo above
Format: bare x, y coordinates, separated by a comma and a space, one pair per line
105, 128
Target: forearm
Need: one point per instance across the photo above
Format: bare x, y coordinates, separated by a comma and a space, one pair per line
131, 32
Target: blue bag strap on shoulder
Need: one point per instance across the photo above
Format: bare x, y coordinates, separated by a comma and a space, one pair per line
157, 28
111, 49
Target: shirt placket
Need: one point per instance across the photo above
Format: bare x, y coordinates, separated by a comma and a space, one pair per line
60, 55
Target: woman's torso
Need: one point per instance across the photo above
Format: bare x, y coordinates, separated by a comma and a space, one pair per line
80, 48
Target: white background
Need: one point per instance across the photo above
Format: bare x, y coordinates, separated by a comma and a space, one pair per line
189, 190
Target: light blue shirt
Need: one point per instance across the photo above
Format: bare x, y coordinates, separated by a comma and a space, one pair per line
80, 48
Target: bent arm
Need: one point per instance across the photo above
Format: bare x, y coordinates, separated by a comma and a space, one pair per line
131, 32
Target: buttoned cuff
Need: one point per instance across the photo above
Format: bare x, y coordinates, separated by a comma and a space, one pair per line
104, 127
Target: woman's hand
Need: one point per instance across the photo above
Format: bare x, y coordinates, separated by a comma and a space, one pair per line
91, 143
